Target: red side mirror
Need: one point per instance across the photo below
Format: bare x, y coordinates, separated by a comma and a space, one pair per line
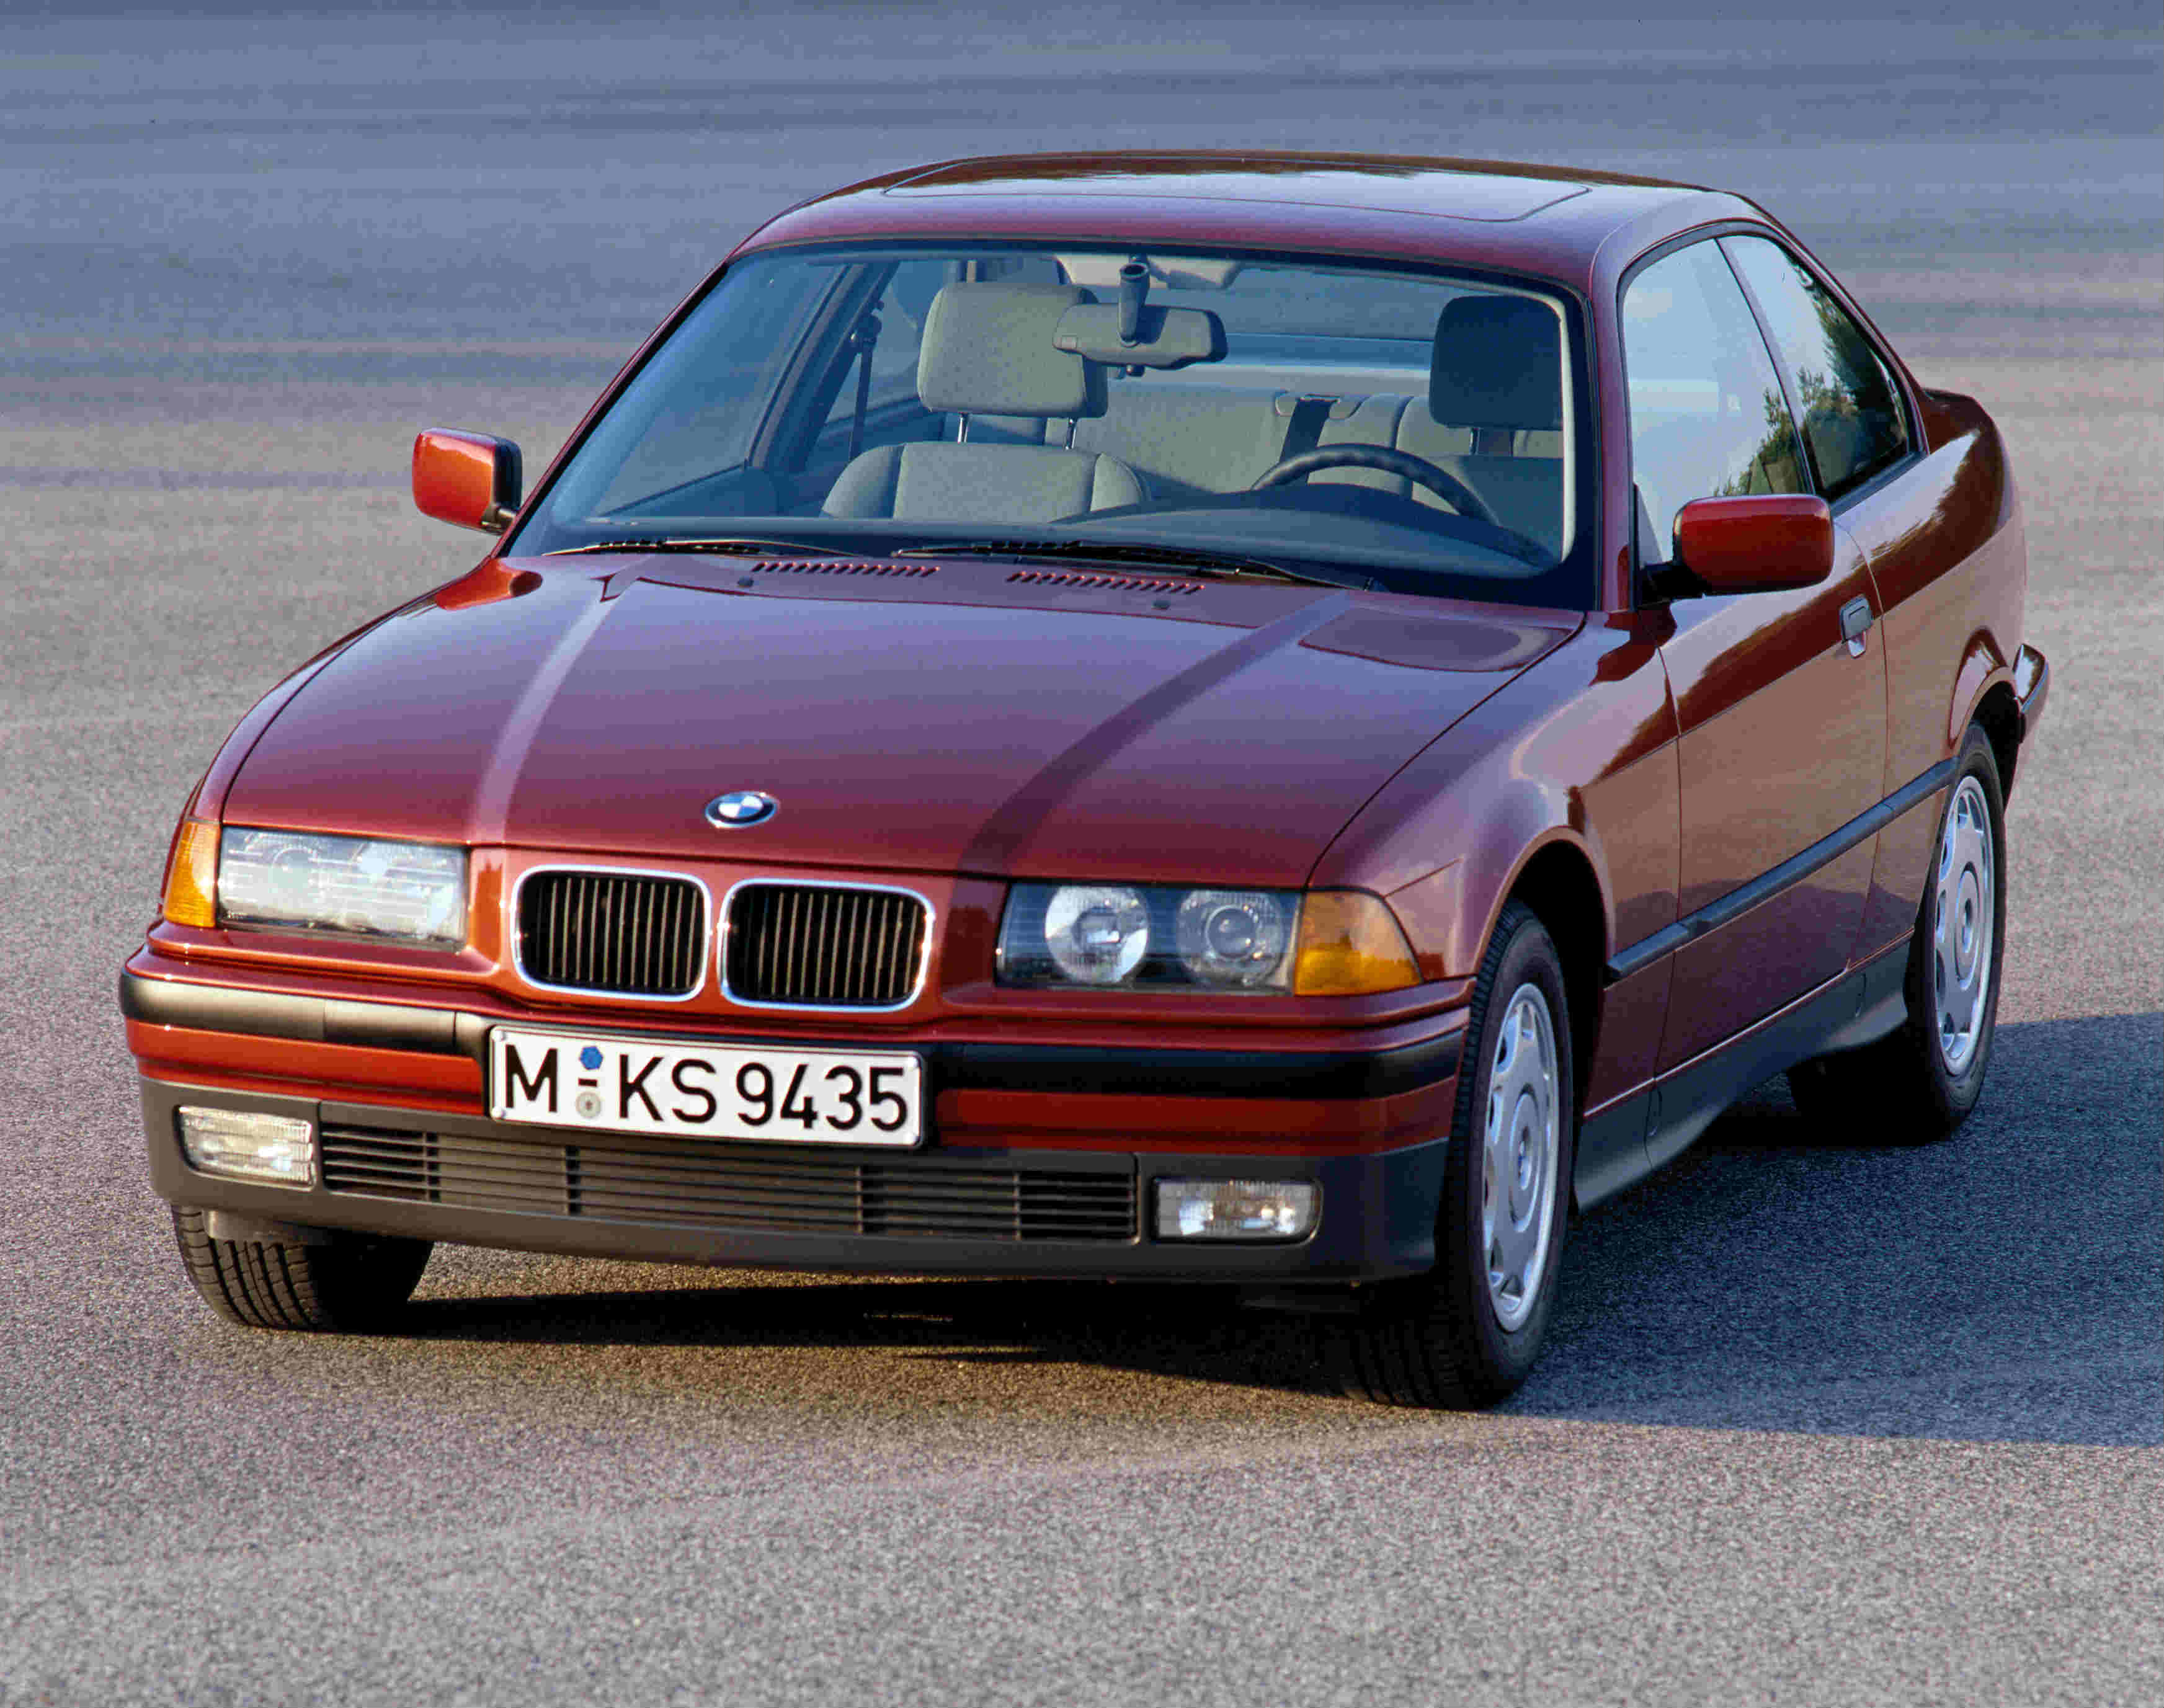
1758, 544
467, 478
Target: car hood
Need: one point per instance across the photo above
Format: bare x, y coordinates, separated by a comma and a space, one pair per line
970, 716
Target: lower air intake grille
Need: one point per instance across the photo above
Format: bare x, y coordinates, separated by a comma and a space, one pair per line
827, 948
616, 932
677, 1186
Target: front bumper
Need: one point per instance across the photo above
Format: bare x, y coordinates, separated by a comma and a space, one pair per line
943, 1211
1059, 1201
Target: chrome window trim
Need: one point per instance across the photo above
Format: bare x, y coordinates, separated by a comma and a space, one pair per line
721, 947
706, 951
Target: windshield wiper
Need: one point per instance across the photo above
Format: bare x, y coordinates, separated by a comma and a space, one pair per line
719, 548
1184, 558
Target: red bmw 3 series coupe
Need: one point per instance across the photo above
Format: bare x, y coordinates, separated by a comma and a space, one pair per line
1283, 720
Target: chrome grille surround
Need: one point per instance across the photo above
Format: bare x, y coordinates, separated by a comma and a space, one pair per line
813, 959
697, 944
620, 1177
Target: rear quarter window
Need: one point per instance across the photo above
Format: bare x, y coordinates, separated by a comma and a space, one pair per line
1854, 427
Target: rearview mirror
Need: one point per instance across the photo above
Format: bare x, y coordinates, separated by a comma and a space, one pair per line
468, 478
1163, 338
1759, 544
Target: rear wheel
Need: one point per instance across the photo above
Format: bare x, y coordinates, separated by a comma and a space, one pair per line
309, 1279
1466, 1334
1919, 1083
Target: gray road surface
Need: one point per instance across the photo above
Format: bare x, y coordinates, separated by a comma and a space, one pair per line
1817, 1424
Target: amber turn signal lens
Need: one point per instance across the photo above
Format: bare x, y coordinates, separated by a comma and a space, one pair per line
1350, 945
192, 878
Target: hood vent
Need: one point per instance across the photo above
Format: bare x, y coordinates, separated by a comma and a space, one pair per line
840, 566
1111, 584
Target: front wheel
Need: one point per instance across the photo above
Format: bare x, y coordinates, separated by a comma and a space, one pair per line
1466, 1334
1919, 1083
309, 1279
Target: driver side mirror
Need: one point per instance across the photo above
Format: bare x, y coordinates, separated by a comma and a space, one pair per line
1762, 544
468, 478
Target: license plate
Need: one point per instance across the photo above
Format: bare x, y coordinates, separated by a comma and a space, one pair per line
703, 1091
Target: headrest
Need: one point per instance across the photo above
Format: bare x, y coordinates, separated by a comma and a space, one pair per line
1497, 363
988, 350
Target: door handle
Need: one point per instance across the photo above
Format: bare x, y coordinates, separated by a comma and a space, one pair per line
1855, 619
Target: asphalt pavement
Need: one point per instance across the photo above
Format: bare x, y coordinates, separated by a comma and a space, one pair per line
1817, 1423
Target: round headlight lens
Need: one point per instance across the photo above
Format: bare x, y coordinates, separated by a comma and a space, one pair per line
1096, 934
1235, 938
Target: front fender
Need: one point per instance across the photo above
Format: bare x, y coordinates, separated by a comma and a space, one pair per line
1450, 913
1578, 753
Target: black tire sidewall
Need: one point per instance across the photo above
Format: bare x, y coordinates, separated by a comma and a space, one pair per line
1956, 1094
1528, 955
355, 1283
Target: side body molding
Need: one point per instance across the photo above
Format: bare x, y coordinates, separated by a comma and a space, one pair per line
1635, 957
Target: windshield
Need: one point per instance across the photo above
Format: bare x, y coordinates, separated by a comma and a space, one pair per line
1415, 430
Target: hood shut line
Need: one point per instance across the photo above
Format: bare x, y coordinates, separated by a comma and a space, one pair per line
1004, 835
489, 820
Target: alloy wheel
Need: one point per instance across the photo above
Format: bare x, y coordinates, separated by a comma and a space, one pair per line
1963, 917
1519, 1156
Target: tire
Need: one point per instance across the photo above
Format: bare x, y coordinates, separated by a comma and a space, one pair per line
345, 1284
1919, 1084
1466, 1334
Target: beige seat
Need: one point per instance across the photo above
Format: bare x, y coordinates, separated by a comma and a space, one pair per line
1493, 415
1191, 440
988, 350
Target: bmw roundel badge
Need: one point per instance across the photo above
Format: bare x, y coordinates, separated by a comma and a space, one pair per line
739, 808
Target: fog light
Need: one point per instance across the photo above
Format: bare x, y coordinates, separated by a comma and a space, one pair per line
1237, 1209
274, 1149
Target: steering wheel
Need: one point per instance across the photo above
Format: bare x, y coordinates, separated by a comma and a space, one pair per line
1441, 482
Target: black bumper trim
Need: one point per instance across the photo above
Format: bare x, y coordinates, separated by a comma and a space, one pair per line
1190, 1073
277, 1014
1325, 1075
1378, 1207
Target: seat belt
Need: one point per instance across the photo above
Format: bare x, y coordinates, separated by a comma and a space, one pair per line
862, 341
1304, 432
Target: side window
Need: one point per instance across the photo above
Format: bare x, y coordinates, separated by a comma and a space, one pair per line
1852, 418
1708, 418
689, 414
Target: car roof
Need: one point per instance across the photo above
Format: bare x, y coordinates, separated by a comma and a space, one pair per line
1543, 219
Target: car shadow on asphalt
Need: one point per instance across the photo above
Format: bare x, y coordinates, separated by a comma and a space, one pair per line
1194, 1333
2006, 1285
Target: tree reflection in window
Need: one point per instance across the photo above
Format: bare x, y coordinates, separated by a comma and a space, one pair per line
1853, 426
1773, 466
1708, 418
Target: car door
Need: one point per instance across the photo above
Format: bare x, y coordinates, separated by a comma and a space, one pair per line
1781, 718
1929, 521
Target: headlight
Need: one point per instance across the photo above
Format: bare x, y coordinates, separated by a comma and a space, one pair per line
406, 892
1333, 942
1236, 939
1096, 936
